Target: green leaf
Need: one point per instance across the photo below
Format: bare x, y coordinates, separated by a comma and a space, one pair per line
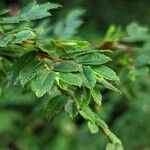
79, 95
136, 33
4, 11
96, 94
71, 108
70, 45
93, 59
77, 53
43, 82
14, 74
29, 70
113, 34
87, 114
1, 29
4, 40
54, 91
55, 105
111, 146
138, 72
23, 36
67, 66
67, 28
32, 12
82, 97
109, 85
112, 136
142, 71
86, 99
106, 72
104, 127
101, 123
93, 127
70, 78
9, 20
89, 78
142, 60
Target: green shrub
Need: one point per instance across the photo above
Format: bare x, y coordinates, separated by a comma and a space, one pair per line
46, 69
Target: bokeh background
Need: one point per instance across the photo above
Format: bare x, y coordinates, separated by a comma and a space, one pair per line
22, 125
100, 13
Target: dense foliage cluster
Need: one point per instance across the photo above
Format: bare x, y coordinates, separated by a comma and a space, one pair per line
45, 69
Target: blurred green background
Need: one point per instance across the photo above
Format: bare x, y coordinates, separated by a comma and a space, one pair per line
22, 125
101, 13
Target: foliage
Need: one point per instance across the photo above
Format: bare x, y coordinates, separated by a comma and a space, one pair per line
66, 70
43, 72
